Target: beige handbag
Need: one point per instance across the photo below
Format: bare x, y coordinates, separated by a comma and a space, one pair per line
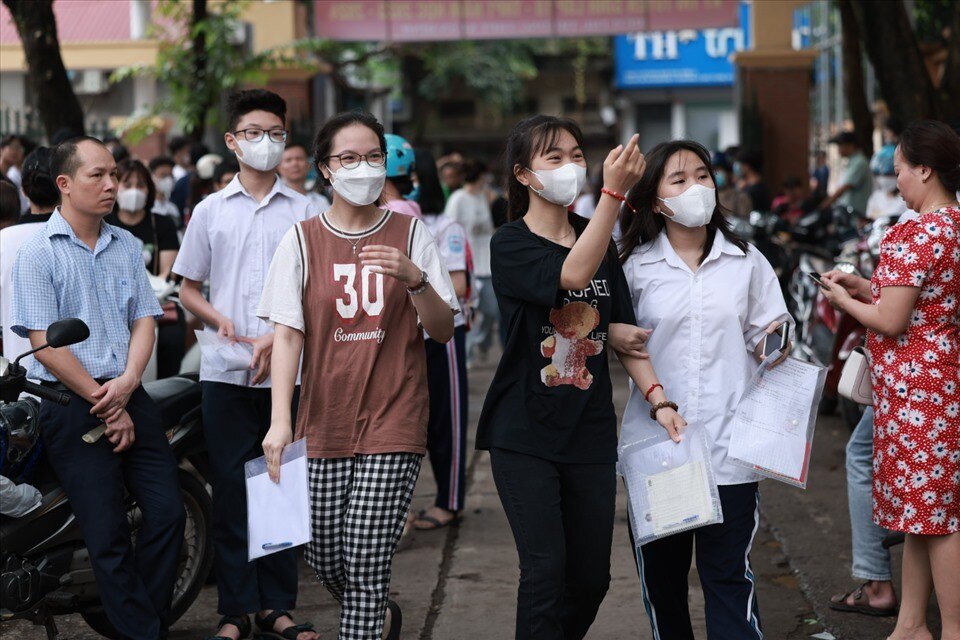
855, 382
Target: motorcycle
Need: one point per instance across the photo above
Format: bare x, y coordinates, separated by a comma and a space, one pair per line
858, 256
45, 568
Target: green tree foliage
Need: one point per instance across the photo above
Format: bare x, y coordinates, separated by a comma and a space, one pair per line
198, 61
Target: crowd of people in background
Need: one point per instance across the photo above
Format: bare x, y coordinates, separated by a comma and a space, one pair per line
361, 254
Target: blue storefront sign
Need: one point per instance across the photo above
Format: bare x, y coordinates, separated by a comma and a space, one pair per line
680, 58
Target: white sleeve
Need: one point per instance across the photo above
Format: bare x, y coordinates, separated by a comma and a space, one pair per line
281, 301
452, 244
453, 210
427, 257
766, 304
195, 255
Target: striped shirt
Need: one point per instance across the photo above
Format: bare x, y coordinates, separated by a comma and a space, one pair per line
57, 276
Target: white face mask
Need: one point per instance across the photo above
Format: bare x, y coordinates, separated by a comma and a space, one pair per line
262, 156
887, 184
694, 207
131, 199
560, 186
164, 186
360, 186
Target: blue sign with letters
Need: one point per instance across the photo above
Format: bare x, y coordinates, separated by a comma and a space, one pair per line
680, 58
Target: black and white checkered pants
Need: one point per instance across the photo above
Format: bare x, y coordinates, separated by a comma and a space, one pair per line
359, 507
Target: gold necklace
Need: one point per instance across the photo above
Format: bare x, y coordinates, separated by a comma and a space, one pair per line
936, 207
567, 234
343, 234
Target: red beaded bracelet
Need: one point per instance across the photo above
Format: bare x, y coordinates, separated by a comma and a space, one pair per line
619, 196
646, 396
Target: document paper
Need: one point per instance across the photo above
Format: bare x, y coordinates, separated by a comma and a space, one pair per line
669, 487
678, 499
278, 514
223, 354
773, 426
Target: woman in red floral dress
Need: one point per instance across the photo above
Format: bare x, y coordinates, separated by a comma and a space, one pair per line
913, 315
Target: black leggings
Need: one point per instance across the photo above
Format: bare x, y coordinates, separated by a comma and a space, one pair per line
562, 520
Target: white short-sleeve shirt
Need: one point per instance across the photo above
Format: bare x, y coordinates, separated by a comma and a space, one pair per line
451, 242
231, 240
705, 327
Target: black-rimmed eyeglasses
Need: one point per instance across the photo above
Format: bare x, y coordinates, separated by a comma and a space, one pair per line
352, 160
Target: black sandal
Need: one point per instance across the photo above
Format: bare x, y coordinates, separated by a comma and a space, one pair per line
396, 620
240, 622
267, 623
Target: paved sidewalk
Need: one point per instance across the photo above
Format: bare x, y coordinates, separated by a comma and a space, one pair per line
460, 583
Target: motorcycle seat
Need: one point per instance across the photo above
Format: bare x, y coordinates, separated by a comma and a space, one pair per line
174, 397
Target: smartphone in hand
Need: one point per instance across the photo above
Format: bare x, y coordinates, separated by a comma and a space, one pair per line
777, 341
816, 278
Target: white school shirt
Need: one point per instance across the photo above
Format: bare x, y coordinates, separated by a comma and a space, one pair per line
11, 239
705, 328
231, 240
473, 213
451, 241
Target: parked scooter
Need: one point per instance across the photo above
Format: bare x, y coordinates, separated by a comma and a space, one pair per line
45, 568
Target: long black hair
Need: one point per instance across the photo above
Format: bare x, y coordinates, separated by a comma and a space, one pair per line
529, 138
430, 194
647, 224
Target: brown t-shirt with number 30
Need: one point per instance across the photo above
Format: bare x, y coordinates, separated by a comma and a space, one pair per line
363, 382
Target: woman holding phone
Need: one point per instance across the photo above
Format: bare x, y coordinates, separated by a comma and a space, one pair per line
910, 307
548, 419
710, 300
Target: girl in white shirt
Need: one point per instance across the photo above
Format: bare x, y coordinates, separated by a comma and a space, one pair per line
709, 299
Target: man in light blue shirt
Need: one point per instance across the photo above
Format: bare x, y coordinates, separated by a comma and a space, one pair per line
79, 266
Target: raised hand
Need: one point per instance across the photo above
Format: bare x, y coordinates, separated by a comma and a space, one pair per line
623, 166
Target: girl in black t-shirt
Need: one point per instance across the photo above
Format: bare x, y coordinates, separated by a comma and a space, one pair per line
135, 197
548, 419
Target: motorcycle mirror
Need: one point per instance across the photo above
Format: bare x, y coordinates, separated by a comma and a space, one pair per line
68, 331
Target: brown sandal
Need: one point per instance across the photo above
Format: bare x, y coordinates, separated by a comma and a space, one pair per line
839, 603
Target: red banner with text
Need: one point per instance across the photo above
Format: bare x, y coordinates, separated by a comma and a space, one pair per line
432, 20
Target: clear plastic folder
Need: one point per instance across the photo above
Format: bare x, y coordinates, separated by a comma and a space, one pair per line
775, 419
278, 514
670, 485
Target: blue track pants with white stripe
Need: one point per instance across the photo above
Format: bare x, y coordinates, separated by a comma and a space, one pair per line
723, 564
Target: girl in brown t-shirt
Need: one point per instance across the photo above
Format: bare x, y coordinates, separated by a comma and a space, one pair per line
350, 290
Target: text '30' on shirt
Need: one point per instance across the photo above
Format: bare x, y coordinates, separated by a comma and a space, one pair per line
706, 325
364, 366
231, 240
551, 396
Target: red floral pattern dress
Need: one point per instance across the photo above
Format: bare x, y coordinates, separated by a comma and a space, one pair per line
916, 437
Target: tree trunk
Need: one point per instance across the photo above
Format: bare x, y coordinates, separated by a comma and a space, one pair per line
56, 102
412, 73
853, 82
948, 94
891, 46
200, 71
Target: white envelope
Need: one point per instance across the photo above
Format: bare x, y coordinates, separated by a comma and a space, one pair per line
278, 514
222, 354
